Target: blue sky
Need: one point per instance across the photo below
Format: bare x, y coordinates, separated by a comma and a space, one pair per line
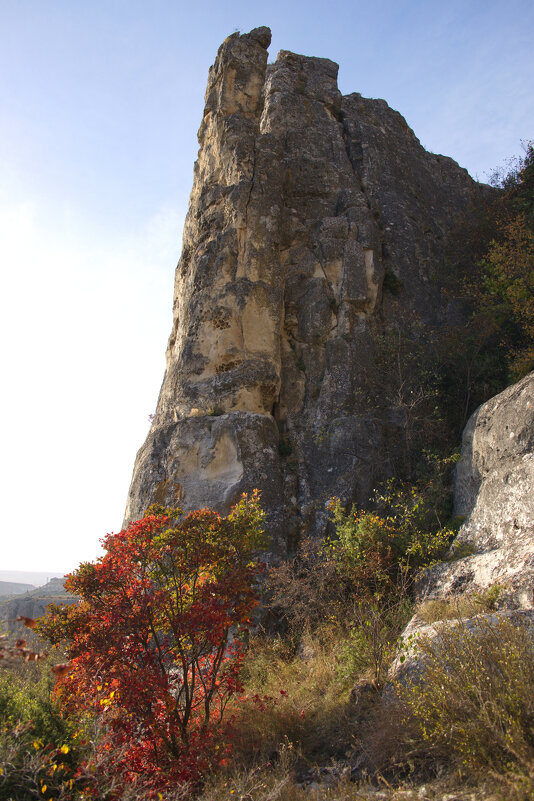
100, 101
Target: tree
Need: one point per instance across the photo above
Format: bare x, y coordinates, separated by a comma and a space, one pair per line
400, 387
509, 286
154, 643
507, 291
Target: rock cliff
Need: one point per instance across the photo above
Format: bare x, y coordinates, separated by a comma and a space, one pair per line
315, 221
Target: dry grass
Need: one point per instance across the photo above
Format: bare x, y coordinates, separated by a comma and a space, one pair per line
465, 731
267, 782
472, 710
299, 699
475, 702
460, 606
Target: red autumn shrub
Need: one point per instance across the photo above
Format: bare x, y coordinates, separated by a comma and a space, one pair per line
154, 644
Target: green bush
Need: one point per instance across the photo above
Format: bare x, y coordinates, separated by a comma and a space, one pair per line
405, 533
366, 550
39, 748
474, 704
360, 579
371, 643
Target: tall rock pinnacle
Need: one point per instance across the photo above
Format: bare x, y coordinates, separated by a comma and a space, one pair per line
302, 202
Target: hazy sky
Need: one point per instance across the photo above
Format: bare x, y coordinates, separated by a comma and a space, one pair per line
100, 101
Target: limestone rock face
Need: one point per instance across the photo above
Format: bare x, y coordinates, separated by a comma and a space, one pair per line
494, 490
302, 202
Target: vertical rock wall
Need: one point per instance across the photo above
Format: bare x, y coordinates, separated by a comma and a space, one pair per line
302, 201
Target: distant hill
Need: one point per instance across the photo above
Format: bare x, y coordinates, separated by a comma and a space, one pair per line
34, 577
14, 588
31, 604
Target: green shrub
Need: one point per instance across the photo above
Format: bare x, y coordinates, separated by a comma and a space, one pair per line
474, 704
366, 550
39, 748
360, 579
372, 640
385, 547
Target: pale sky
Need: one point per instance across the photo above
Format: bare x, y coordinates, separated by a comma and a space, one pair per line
100, 101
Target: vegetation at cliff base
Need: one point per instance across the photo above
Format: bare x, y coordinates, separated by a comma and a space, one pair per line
169, 689
153, 649
475, 706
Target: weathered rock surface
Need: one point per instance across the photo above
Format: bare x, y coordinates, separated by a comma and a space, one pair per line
494, 490
409, 663
302, 202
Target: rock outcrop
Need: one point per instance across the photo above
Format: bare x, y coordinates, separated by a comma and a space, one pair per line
494, 491
314, 220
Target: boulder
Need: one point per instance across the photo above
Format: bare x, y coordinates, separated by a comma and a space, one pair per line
489, 572
494, 492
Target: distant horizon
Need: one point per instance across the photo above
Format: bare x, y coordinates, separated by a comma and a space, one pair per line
30, 576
